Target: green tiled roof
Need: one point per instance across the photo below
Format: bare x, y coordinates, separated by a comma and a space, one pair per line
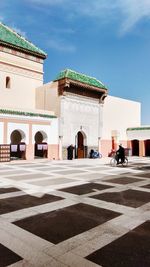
23, 113
11, 38
139, 128
73, 75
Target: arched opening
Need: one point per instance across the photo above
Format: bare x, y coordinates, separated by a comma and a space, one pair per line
41, 146
17, 145
80, 144
7, 82
147, 147
135, 147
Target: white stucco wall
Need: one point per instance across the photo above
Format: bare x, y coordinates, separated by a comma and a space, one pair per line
138, 134
51, 131
1, 132
118, 115
40, 128
79, 114
20, 127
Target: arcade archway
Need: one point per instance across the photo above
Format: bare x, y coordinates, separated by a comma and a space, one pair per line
17, 145
41, 146
147, 147
135, 147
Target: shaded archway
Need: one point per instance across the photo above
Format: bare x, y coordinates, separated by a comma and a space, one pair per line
81, 145
147, 147
17, 145
135, 147
41, 146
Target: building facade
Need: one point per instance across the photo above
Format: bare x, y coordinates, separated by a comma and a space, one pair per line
30, 132
88, 117
77, 100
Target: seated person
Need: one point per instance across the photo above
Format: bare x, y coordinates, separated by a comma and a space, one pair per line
96, 154
91, 153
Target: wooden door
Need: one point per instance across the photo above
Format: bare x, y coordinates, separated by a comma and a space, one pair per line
80, 149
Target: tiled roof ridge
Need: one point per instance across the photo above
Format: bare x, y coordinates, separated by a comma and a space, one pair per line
139, 128
16, 33
67, 71
40, 51
83, 74
25, 113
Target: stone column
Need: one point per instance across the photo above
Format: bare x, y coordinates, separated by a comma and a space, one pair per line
100, 125
30, 146
5, 141
141, 148
61, 125
60, 148
129, 144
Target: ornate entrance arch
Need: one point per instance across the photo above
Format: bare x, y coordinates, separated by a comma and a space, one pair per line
17, 144
41, 146
81, 145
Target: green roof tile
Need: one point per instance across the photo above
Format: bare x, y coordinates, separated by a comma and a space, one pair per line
80, 78
23, 113
11, 38
139, 128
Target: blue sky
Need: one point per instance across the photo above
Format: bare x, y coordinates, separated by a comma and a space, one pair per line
107, 39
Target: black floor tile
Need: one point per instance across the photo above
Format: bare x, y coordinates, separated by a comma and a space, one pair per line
132, 198
8, 190
146, 186
124, 180
145, 174
7, 256
130, 250
26, 201
62, 224
85, 188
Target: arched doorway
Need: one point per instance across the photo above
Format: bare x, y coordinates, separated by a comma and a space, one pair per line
81, 145
147, 147
41, 146
135, 147
17, 145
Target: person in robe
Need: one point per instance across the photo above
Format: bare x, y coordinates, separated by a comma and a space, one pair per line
120, 154
70, 150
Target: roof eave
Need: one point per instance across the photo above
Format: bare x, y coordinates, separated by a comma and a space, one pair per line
43, 56
82, 84
88, 86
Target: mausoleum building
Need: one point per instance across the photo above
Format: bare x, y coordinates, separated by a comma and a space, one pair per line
42, 120
88, 117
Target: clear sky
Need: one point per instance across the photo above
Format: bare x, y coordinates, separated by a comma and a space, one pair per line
107, 39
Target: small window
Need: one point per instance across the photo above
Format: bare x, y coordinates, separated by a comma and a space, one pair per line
7, 82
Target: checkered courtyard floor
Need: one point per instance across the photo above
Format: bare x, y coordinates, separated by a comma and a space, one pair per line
80, 213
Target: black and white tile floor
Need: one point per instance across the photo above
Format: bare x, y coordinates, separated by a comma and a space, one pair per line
80, 213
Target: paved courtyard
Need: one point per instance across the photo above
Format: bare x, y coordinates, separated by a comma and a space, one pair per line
80, 213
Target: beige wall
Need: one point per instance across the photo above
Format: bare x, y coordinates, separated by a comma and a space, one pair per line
21, 62
118, 115
47, 97
25, 75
